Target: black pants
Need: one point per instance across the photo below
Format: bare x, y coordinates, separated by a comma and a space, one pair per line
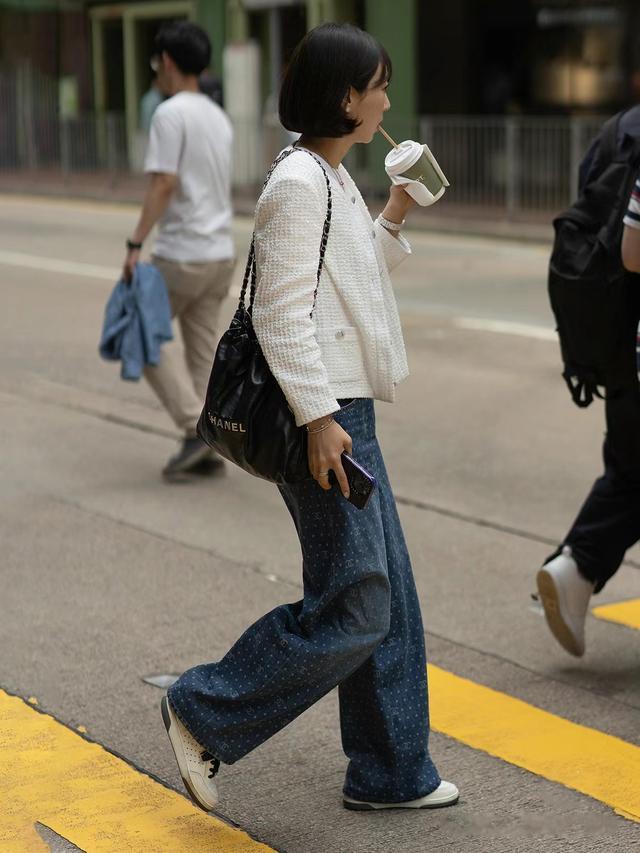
609, 522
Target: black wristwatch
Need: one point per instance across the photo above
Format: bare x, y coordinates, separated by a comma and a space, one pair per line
131, 244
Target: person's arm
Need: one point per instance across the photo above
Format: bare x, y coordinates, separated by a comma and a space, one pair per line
396, 209
162, 162
631, 232
289, 220
394, 246
631, 248
156, 199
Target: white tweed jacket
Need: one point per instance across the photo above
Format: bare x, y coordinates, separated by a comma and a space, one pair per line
352, 346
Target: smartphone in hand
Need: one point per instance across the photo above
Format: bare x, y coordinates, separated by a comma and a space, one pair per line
361, 482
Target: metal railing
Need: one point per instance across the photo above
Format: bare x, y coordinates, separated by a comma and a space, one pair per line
71, 145
508, 166
34, 136
521, 164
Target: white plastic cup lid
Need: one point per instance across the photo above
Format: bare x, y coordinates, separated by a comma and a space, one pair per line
399, 159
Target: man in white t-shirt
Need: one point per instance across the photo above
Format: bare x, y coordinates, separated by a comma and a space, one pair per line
189, 197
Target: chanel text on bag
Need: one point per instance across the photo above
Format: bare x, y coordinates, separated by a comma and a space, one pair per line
222, 423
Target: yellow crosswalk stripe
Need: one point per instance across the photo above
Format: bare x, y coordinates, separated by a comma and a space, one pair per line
624, 613
591, 762
51, 775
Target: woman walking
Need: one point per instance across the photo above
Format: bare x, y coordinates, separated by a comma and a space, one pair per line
334, 346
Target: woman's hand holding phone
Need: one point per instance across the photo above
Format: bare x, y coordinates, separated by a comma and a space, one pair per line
324, 450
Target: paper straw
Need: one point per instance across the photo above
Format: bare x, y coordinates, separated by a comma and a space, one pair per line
386, 136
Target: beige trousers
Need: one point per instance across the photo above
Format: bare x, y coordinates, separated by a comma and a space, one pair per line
196, 292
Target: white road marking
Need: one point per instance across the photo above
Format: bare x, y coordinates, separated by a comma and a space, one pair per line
504, 327
36, 262
58, 265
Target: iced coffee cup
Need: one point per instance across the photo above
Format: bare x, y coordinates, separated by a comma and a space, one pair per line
413, 166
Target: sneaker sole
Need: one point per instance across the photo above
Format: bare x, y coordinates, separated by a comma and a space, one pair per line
166, 718
551, 603
371, 807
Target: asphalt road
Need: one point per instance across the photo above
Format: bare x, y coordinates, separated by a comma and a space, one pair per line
109, 575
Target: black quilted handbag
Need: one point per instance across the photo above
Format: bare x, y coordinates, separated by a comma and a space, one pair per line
246, 418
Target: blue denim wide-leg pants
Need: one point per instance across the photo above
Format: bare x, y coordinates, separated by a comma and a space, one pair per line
358, 626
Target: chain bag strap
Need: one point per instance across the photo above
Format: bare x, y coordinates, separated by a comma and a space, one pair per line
246, 417
250, 272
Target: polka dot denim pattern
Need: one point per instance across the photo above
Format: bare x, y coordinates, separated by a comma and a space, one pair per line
358, 626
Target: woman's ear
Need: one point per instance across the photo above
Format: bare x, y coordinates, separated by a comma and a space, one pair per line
347, 103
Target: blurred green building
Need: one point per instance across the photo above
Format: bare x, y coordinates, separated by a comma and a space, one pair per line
459, 58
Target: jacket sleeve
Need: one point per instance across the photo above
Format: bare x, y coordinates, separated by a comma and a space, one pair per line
289, 221
394, 249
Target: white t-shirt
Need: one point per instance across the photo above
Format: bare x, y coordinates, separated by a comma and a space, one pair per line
191, 137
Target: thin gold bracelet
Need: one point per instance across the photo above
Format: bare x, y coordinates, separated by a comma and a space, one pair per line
322, 428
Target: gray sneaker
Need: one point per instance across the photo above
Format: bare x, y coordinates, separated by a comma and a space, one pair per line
192, 457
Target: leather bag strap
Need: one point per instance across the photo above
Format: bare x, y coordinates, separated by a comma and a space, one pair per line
249, 279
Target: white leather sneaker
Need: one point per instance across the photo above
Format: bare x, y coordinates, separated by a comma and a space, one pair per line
197, 766
565, 596
446, 794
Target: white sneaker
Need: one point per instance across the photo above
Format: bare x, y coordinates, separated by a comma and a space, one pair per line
565, 596
446, 794
197, 766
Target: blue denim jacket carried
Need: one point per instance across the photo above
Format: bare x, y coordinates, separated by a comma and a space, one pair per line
137, 321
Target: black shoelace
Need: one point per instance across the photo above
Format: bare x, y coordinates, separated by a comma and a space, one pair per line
215, 763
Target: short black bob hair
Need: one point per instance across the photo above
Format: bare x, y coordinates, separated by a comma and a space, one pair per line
186, 43
328, 60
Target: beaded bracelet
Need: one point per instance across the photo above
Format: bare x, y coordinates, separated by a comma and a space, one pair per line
322, 428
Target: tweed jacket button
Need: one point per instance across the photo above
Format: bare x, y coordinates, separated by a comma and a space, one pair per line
340, 334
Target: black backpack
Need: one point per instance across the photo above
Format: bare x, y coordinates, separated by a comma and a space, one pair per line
591, 294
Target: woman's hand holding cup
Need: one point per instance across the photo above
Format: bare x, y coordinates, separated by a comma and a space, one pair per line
399, 204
